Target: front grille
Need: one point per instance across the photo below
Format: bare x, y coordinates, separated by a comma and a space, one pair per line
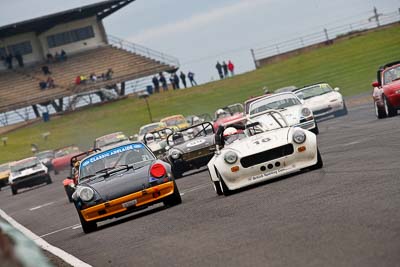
268, 155
197, 154
321, 111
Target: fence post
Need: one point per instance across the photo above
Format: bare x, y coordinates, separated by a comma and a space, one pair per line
254, 58
326, 34
277, 49
301, 41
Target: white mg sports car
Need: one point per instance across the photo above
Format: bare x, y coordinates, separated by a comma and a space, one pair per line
323, 100
256, 152
289, 105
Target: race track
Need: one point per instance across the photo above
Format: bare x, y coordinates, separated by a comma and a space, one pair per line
346, 214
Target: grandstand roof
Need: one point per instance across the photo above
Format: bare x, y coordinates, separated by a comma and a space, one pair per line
41, 24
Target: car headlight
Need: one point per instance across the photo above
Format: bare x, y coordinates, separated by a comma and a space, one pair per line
230, 157
305, 112
299, 137
86, 193
175, 154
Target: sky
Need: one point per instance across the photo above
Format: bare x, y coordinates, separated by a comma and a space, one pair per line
200, 33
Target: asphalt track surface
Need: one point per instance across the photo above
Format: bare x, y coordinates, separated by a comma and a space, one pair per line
346, 214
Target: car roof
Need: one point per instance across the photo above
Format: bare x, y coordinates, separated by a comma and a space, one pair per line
109, 135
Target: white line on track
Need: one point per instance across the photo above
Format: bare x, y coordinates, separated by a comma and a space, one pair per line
68, 258
41, 206
73, 227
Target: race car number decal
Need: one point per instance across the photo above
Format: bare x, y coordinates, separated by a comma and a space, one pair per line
264, 140
195, 143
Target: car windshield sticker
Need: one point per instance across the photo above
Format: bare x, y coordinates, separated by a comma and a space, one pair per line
195, 143
110, 152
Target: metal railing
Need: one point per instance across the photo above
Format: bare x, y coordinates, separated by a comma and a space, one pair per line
143, 51
325, 35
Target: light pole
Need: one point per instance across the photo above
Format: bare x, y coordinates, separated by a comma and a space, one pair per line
146, 95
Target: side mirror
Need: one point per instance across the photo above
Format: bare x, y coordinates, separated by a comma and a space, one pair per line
337, 89
375, 84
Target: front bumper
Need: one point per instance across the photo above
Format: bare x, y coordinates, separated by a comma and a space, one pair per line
115, 207
328, 110
29, 181
271, 169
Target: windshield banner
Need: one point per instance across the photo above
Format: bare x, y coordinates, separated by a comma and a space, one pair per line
111, 152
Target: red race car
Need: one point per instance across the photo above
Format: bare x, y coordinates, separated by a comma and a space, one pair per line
386, 93
62, 157
230, 113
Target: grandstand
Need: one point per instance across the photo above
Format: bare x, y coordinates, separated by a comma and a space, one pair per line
89, 49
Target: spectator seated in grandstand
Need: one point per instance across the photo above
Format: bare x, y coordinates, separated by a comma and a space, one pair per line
78, 80
46, 70
109, 74
42, 85
50, 83
84, 79
93, 77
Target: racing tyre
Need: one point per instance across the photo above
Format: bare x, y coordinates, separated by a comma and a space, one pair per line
174, 199
319, 163
389, 110
316, 129
48, 180
176, 172
14, 190
217, 188
342, 112
69, 192
380, 114
87, 227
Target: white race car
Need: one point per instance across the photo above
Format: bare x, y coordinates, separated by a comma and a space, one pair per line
289, 105
323, 100
254, 153
27, 173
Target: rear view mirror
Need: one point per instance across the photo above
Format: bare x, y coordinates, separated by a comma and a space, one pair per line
337, 89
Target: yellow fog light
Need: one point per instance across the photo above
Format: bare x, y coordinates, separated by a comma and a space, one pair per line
301, 149
235, 168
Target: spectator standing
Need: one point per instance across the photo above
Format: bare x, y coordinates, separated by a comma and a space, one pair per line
231, 68
219, 69
176, 80
191, 78
172, 81
9, 61
57, 57
225, 68
63, 55
78, 80
42, 85
49, 57
156, 84
19, 59
163, 82
183, 78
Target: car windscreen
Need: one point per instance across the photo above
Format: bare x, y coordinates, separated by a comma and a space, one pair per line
175, 121
274, 102
149, 128
391, 75
23, 165
4, 167
191, 133
112, 158
315, 90
66, 151
110, 140
45, 155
